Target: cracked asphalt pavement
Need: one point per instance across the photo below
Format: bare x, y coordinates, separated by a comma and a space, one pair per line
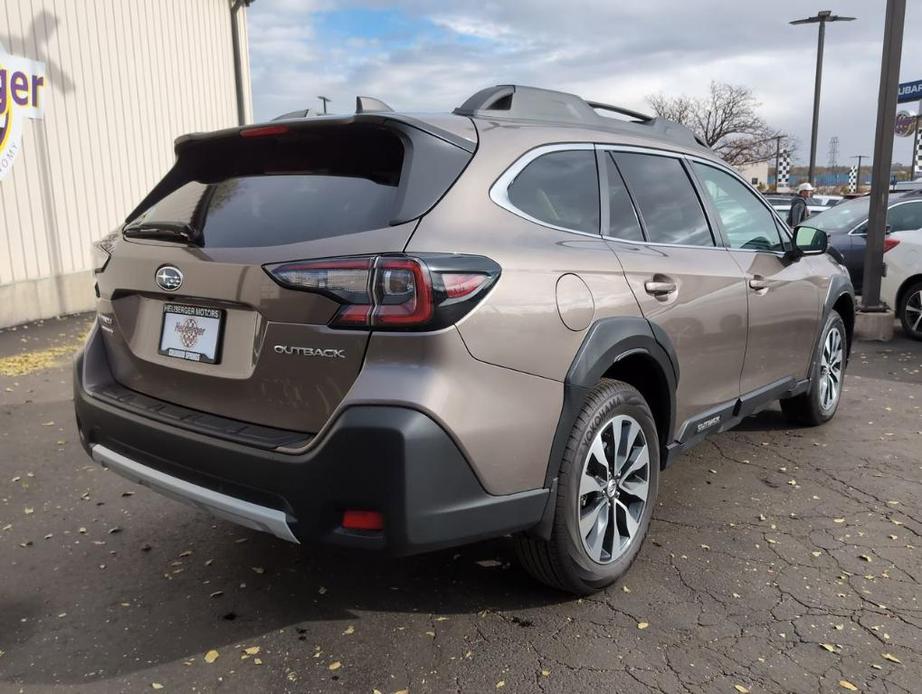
779, 560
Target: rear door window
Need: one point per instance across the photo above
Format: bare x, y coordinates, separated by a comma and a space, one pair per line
669, 206
906, 217
622, 217
745, 221
560, 189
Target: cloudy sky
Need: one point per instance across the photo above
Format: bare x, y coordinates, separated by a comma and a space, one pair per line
429, 55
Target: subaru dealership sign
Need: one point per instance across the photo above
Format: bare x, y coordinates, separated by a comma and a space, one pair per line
909, 91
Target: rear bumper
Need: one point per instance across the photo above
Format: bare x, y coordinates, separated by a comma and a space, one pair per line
389, 459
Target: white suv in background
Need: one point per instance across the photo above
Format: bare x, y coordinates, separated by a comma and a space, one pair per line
901, 288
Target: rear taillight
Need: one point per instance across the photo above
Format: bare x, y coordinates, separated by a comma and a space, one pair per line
459, 284
890, 243
393, 292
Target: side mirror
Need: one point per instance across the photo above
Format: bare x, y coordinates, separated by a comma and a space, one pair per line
808, 241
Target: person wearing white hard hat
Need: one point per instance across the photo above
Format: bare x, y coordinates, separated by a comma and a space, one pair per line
799, 212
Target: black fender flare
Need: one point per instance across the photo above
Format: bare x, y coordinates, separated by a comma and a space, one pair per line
607, 341
839, 286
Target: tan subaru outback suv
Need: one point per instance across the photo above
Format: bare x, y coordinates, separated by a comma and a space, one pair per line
399, 333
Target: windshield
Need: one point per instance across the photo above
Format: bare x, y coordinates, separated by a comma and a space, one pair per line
845, 215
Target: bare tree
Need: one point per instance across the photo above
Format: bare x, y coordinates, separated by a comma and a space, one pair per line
727, 120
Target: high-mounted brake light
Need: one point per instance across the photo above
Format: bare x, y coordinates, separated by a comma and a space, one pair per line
264, 131
890, 243
393, 292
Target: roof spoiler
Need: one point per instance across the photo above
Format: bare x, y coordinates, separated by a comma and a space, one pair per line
363, 104
531, 103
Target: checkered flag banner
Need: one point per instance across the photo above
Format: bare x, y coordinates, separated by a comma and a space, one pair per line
853, 178
917, 159
783, 174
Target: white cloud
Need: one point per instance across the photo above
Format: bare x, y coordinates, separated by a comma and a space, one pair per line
603, 49
473, 26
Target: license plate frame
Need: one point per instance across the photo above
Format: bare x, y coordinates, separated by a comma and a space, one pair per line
192, 314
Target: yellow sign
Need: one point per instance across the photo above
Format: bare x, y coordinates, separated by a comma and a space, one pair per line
22, 83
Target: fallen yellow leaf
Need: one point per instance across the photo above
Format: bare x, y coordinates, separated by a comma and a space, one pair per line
252, 650
829, 647
642, 625
501, 684
741, 689
892, 658
349, 630
212, 656
156, 685
845, 684
335, 665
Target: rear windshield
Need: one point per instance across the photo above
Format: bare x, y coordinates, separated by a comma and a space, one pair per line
314, 183
843, 216
279, 209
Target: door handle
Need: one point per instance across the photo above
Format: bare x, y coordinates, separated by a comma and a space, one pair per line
659, 288
759, 283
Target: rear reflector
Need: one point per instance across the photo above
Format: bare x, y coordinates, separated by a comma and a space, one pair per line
890, 244
363, 520
264, 131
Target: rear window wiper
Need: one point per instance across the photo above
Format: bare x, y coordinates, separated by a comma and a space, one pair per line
164, 231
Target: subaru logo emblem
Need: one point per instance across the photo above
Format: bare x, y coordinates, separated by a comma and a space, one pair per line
169, 278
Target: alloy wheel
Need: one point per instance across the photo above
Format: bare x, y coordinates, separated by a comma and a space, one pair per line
913, 312
613, 489
831, 369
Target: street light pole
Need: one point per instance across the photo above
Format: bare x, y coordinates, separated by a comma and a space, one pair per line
821, 18
883, 155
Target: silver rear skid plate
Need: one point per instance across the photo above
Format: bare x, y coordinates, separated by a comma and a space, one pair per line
245, 513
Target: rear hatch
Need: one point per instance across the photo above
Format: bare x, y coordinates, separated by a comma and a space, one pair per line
189, 313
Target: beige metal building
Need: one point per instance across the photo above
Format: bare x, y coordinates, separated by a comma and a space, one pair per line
92, 95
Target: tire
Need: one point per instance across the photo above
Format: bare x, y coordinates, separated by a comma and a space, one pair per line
821, 401
583, 562
910, 311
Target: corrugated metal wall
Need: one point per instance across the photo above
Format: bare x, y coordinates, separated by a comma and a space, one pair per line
124, 79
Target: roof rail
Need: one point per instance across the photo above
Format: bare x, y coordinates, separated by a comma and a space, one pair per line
598, 106
369, 104
510, 101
